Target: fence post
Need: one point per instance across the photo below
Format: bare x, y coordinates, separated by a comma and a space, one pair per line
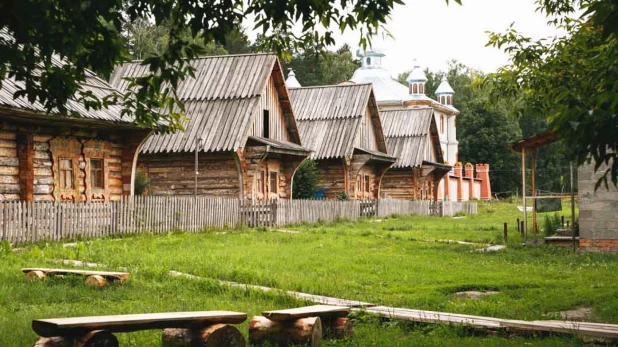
505, 234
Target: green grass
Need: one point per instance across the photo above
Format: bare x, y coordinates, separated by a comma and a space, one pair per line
394, 262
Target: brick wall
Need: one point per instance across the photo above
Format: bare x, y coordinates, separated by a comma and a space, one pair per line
598, 212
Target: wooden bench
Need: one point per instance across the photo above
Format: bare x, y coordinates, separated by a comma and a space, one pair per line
93, 278
303, 325
208, 328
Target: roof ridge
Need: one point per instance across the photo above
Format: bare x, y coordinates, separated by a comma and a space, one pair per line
217, 56
335, 85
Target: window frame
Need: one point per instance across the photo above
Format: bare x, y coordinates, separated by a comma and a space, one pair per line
100, 169
62, 173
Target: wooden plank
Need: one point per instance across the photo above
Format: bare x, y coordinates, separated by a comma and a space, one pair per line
119, 275
134, 322
308, 311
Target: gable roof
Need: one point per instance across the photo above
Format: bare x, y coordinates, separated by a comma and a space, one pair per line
329, 118
407, 132
93, 84
219, 101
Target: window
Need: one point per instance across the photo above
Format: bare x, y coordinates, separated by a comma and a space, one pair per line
359, 183
66, 173
414, 88
442, 124
259, 183
96, 173
421, 88
367, 184
449, 100
273, 182
368, 61
266, 125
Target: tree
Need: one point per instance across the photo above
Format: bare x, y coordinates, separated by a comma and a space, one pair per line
314, 68
571, 81
89, 35
306, 180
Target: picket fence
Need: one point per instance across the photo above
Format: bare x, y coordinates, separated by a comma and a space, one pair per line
22, 222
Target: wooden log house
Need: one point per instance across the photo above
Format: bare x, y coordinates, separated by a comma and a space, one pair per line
412, 136
341, 125
52, 157
240, 121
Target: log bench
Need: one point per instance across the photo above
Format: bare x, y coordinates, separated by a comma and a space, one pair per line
93, 278
303, 325
208, 329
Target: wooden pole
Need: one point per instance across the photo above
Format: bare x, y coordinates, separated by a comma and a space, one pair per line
533, 175
523, 193
506, 238
573, 208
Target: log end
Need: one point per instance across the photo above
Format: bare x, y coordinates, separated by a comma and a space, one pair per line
50, 342
342, 327
35, 275
217, 335
96, 281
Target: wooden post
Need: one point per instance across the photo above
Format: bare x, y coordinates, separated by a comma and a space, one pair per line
573, 209
523, 194
521, 228
505, 234
25, 153
518, 230
562, 221
533, 175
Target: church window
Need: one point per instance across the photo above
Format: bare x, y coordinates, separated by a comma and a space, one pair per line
449, 100
414, 88
421, 88
442, 124
368, 61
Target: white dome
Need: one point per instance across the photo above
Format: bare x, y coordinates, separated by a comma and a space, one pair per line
291, 82
444, 87
417, 74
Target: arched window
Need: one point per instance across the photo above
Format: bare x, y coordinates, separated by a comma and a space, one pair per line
422, 89
368, 61
442, 124
442, 99
449, 100
414, 88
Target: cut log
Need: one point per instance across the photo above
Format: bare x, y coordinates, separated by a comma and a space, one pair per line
56, 341
217, 335
98, 338
341, 327
301, 331
97, 281
35, 275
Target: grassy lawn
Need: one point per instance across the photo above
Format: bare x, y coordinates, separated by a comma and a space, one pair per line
397, 261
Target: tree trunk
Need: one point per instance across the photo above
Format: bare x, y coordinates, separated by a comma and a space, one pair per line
96, 281
98, 338
218, 335
300, 331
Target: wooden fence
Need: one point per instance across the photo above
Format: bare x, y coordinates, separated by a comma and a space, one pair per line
22, 222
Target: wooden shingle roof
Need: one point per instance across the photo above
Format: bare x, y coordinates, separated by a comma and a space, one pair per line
219, 101
92, 84
329, 118
411, 136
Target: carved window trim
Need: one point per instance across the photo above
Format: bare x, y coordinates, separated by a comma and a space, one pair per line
66, 148
101, 150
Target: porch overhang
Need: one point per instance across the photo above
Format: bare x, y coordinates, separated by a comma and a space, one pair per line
375, 155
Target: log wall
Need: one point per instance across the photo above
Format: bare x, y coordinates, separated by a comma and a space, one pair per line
174, 173
29, 162
332, 177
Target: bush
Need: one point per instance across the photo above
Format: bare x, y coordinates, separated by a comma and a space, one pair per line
305, 180
142, 182
551, 224
342, 196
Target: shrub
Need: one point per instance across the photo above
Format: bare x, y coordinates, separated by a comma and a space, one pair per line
551, 224
306, 180
142, 182
342, 196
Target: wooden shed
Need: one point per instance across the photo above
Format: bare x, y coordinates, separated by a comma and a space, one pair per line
53, 157
341, 125
239, 121
412, 137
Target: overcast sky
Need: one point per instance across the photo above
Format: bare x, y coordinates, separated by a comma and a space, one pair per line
435, 33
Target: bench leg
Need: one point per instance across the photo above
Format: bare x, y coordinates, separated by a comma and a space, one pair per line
97, 338
96, 281
35, 275
306, 331
56, 341
217, 335
341, 327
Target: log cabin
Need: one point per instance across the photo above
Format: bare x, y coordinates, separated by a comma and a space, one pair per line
412, 136
88, 156
341, 125
240, 122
